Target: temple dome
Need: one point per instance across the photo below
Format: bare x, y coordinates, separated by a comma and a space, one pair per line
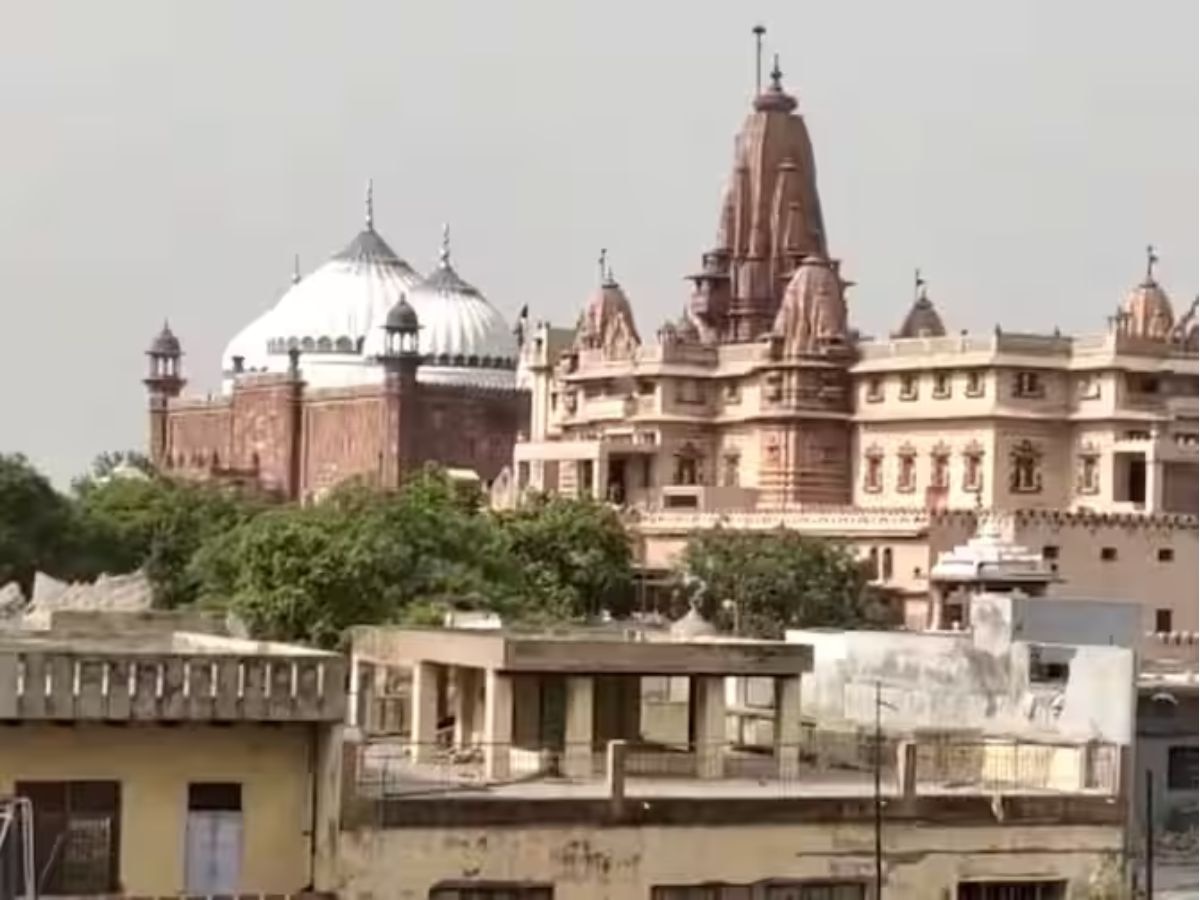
813, 312
1148, 312
606, 323
922, 319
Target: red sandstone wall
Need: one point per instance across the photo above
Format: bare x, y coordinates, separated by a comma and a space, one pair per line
341, 432
342, 437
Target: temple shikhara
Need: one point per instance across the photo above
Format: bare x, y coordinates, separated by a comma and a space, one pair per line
762, 406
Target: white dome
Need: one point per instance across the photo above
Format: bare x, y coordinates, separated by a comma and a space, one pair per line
463, 339
335, 318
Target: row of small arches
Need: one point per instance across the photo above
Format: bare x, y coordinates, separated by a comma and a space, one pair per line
350, 345
199, 459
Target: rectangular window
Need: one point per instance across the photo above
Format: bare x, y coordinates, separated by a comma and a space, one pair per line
1162, 621
1089, 474
491, 890
975, 384
1050, 552
213, 864
645, 387
77, 834
1089, 387
1181, 768
1108, 554
1029, 385
1049, 665
730, 469
873, 477
1165, 554
874, 390
733, 393
908, 387
1012, 890
972, 471
940, 475
941, 385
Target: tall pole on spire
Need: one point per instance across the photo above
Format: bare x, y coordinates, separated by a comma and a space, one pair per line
370, 204
1151, 259
296, 269
603, 264
918, 284
759, 31
444, 253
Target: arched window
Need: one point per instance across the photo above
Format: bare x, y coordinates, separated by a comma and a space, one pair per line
885, 573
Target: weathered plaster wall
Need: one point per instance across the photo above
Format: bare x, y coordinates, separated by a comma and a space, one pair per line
624, 863
977, 680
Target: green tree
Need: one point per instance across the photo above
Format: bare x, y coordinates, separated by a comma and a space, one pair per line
573, 557
767, 582
159, 524
37, 524
361, 556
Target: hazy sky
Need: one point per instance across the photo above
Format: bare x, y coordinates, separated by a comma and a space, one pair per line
167, 159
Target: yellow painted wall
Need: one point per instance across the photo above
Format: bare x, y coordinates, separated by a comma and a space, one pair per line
925, 863
154, 765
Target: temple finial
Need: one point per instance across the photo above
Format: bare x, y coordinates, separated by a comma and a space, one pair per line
444, 253
918, 285
1151, 259
603, 265
776, 75
759, 30
370, 204
296, 269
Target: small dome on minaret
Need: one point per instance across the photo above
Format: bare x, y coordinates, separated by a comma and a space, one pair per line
165, 343
402, 317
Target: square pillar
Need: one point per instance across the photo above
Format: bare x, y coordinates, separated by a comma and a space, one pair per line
466, 702
577, 756
1154, 484
787, 727
709, 693
497, 724
527, 711
424, 711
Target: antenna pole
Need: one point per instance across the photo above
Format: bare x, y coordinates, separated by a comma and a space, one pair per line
759, 31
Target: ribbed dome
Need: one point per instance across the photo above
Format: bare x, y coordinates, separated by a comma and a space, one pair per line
463, 339
336, 318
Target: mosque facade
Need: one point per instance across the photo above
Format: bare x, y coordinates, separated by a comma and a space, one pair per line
363, 369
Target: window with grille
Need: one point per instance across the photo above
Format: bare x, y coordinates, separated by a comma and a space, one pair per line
790, 890
77, 834
1029, 384
873, 476
496, 890
1012, 890
974, 384
908, 387
941, 385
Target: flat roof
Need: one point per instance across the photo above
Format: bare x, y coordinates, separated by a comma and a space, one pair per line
583, 652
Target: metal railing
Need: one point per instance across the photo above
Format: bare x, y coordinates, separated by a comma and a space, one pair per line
827, 763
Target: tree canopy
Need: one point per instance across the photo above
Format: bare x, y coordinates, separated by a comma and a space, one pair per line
763, 583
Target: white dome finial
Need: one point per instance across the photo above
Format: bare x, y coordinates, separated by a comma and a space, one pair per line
370, 204
444, 253
296, 269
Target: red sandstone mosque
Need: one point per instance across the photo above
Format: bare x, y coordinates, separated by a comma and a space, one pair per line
363, 368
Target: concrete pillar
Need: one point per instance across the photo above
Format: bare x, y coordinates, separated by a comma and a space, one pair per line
362, 694
424, 710
1154, 484
327, 803
497, 724
906, 768
710, 738
615, 771
787, 727
466, 701
527, 711
577, 757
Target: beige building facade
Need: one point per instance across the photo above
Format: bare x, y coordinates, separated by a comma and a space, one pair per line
591, 766
763, 406
165, 763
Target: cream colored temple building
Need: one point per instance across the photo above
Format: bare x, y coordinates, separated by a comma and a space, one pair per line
763, 407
